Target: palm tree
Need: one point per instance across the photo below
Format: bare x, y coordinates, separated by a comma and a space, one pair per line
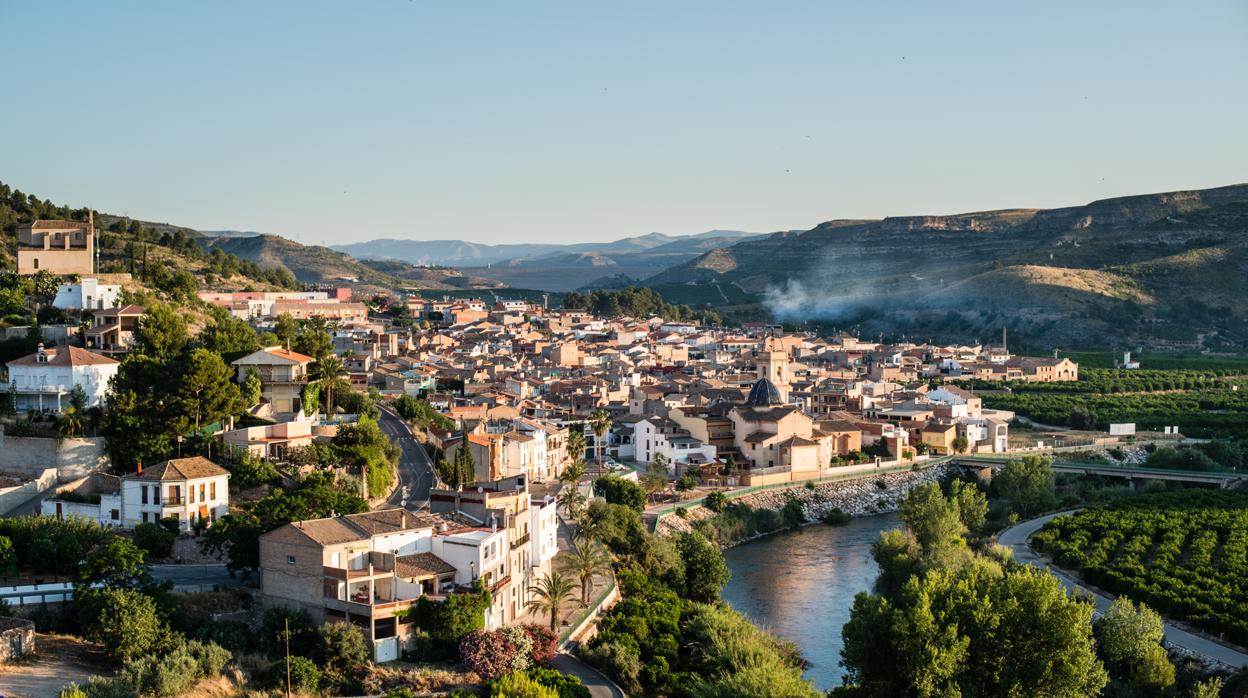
331, 369
585, 559
576, 443
572, 502
573, 473
600, 422
71, 422
548, 595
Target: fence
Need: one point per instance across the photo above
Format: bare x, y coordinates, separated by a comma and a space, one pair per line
606, 598
37, 594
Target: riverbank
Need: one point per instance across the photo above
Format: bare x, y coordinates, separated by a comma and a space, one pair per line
866, 496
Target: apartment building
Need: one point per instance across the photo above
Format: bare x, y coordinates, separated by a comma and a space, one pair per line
283, 374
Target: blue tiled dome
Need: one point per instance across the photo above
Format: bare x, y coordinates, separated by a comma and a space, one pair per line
764, 394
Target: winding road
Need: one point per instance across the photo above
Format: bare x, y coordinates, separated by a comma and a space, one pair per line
415, 469
1017, 537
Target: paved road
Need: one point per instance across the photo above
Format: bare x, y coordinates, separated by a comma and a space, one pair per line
599, 686
1016, 538
195, 576
415, 468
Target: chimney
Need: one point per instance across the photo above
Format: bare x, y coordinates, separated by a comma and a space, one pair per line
138, 468
403, 520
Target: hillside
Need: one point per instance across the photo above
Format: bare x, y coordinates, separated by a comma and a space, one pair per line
460, 253
1163, 270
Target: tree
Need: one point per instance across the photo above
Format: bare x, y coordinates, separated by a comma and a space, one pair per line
227, 335
78, 398
125, 621
342, 652
934, 521
572, 502
8, 557
1130, 640
600, 422
155, 539
706, 573
617, 490
548, 595
285, 329
576, 444
1027, 483
313, 339
584, 560
252, 389
959, 444
330, 369
573, 473
162, 333
653, 482
206, 389
972, 504
977, 630
730, 466
114, 563
715, 501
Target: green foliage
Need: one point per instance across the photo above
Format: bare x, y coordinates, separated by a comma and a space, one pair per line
972, 504
126, 622
738, 522
173, 673
47, 544
155, 539
565, 685
8, 557
343, 651
116, 562
448, 621
617, 490
1130, 642
1027, 483
1184, 553
279, 625
836, 517
305, 676
248, 470
519, 684
363, 445
162, 333
548, 594
706, 573
974, 630
228, 336
715, 501
935, 522
636, 302
252, 389
421, 414
206, 389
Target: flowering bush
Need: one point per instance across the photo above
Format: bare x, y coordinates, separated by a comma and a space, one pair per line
545, 643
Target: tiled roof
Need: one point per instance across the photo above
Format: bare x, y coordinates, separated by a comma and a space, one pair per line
421, 565
181, 469
64, 356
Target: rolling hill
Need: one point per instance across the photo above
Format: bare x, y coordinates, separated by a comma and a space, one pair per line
1163, 270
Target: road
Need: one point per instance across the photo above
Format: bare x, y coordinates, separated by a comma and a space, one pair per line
415, 469
599, 685
1016, 539
195, 576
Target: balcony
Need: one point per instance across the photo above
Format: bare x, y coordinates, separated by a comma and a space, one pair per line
519, 542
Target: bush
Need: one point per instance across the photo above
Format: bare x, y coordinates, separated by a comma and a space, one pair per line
715, 501
488, 653
305, 677
617, 490
156, 540
545, 642
836, 517
342, 652
518, 684
566, 685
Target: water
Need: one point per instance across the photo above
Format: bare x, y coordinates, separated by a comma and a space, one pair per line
800, 585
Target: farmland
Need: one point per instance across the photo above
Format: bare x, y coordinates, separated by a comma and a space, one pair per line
1184, 552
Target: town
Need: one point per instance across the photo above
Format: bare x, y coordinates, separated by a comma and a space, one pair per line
493, 423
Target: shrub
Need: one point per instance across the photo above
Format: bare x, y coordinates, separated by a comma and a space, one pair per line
342, 652
544, 640
836, 517
518, 684
488, 653
715, 501
305, 677
155, 539
566, 685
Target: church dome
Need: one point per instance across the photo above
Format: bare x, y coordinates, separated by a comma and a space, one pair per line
764, 394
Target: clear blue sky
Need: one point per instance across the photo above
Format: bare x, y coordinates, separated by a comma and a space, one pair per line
544, 121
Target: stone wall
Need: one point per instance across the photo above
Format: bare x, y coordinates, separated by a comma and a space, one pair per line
72, 458
17, 639
863, 496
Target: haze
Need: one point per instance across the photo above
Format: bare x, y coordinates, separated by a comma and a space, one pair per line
565, 122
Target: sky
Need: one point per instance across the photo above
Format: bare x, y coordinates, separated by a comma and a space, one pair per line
335, 122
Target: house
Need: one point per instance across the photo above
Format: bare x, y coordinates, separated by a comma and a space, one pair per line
60, 247
113, 330
272, 441
187, 489
661, 436
283, 374
87, 293
43, 380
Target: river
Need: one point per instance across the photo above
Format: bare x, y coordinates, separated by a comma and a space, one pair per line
800, 585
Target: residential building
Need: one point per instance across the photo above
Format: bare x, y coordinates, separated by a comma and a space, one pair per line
186, 489
44, 380
283, 374
88, 293
59, 247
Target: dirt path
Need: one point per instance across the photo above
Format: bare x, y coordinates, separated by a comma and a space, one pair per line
60, 660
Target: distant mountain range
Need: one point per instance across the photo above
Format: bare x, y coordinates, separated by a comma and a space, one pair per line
1167, 270
551, 267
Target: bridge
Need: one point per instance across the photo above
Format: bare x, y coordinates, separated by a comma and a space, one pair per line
1130, 473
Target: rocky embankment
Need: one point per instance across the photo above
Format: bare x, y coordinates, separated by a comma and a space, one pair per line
861, 497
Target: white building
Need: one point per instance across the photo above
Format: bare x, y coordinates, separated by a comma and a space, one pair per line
43, 380
655, 436
544, 528
87, 294
185, 489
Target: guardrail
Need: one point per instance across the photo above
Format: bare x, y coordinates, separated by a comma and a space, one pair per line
588, 615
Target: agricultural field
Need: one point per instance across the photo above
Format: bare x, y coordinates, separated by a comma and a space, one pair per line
1184, 552
1161, 362
1203, 403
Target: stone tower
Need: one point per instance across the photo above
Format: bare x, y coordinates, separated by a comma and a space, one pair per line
773, 365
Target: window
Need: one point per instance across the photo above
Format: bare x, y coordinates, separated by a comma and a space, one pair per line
202, 487
190, 494
212, 490
156, 494
143, 496
290, 559
145, 517
36, 260
115, 515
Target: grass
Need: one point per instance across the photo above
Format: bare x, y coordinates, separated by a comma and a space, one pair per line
1160, 361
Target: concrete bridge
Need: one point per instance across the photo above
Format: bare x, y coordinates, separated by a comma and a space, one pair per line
1129, 473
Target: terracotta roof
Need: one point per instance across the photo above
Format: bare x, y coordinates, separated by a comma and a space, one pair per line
181, 469
277, 352
421, 565
64, 356
131, 309
57, 225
